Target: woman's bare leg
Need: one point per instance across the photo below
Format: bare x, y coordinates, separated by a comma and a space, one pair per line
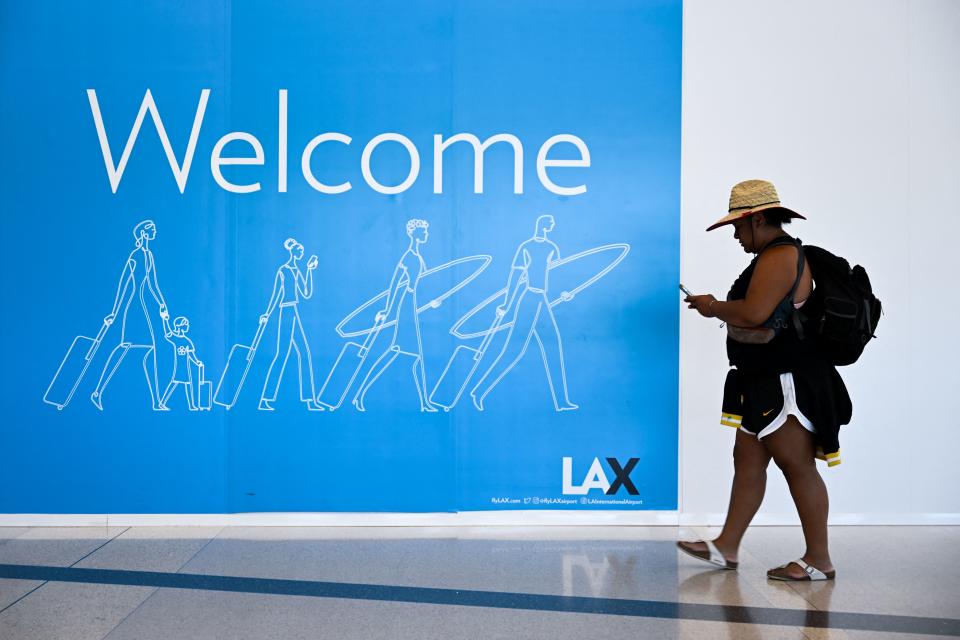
793, 449
750, 461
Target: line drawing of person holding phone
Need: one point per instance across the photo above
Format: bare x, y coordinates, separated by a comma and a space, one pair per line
289, 286
139, 276
402, 304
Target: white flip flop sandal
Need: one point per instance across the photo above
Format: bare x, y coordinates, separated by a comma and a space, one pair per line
812, 573
712, 555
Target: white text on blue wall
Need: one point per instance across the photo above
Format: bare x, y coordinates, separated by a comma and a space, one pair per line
181, 167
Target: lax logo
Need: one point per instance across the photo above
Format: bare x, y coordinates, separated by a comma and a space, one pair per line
597, 479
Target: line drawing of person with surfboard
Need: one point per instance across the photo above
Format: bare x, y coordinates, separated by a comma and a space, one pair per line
526, 302
289, 286
139, 275
436, 284
402, 307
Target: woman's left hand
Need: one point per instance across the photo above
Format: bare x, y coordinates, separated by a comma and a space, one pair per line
701, 304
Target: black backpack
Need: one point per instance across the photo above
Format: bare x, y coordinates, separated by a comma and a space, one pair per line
842, 314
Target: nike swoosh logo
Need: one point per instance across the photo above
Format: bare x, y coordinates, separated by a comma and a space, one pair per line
766, 413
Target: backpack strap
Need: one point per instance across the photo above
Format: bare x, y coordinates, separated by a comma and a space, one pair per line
795, 317
801, 260
801, 263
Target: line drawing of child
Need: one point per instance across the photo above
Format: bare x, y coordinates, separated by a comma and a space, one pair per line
185, 354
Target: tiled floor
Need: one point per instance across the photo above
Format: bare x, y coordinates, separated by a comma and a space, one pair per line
436, 583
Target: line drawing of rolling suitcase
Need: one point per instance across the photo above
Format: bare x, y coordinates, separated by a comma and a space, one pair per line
204, 391
235, 373
341, 378
446, 393
73, 368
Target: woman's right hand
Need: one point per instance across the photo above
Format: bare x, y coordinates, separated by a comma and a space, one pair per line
701, 303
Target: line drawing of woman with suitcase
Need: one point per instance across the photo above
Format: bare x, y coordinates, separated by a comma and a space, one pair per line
289, 286
139, 276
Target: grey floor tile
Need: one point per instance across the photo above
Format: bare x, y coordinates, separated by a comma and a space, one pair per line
620, 562
894, 570
825, 634
622, 569
13, 590
873, 635
58, 610
702, 585
747, 586
9, 533
151, 549
70, 610
57, 546
553, 533
210, 615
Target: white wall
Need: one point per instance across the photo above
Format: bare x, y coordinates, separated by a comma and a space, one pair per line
853, 110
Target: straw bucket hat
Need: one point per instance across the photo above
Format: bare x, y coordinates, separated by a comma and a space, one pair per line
750, 197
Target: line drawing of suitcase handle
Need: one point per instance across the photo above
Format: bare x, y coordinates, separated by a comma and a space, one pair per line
203, 403
371, 336
482, 349
92, 351
261, 327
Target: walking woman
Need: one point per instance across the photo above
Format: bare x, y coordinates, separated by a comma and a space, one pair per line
402, 307
139, 277
785, 401
289, 286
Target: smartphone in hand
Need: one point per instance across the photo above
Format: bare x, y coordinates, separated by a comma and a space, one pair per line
685, 291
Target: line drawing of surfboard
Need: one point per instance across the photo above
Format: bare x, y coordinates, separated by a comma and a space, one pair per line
481, 262
619, 252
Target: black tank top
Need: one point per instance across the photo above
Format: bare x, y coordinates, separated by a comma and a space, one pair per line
786, 351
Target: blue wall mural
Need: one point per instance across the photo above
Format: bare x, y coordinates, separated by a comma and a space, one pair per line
333, 256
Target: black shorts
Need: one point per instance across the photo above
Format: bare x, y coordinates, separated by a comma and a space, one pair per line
761, 404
